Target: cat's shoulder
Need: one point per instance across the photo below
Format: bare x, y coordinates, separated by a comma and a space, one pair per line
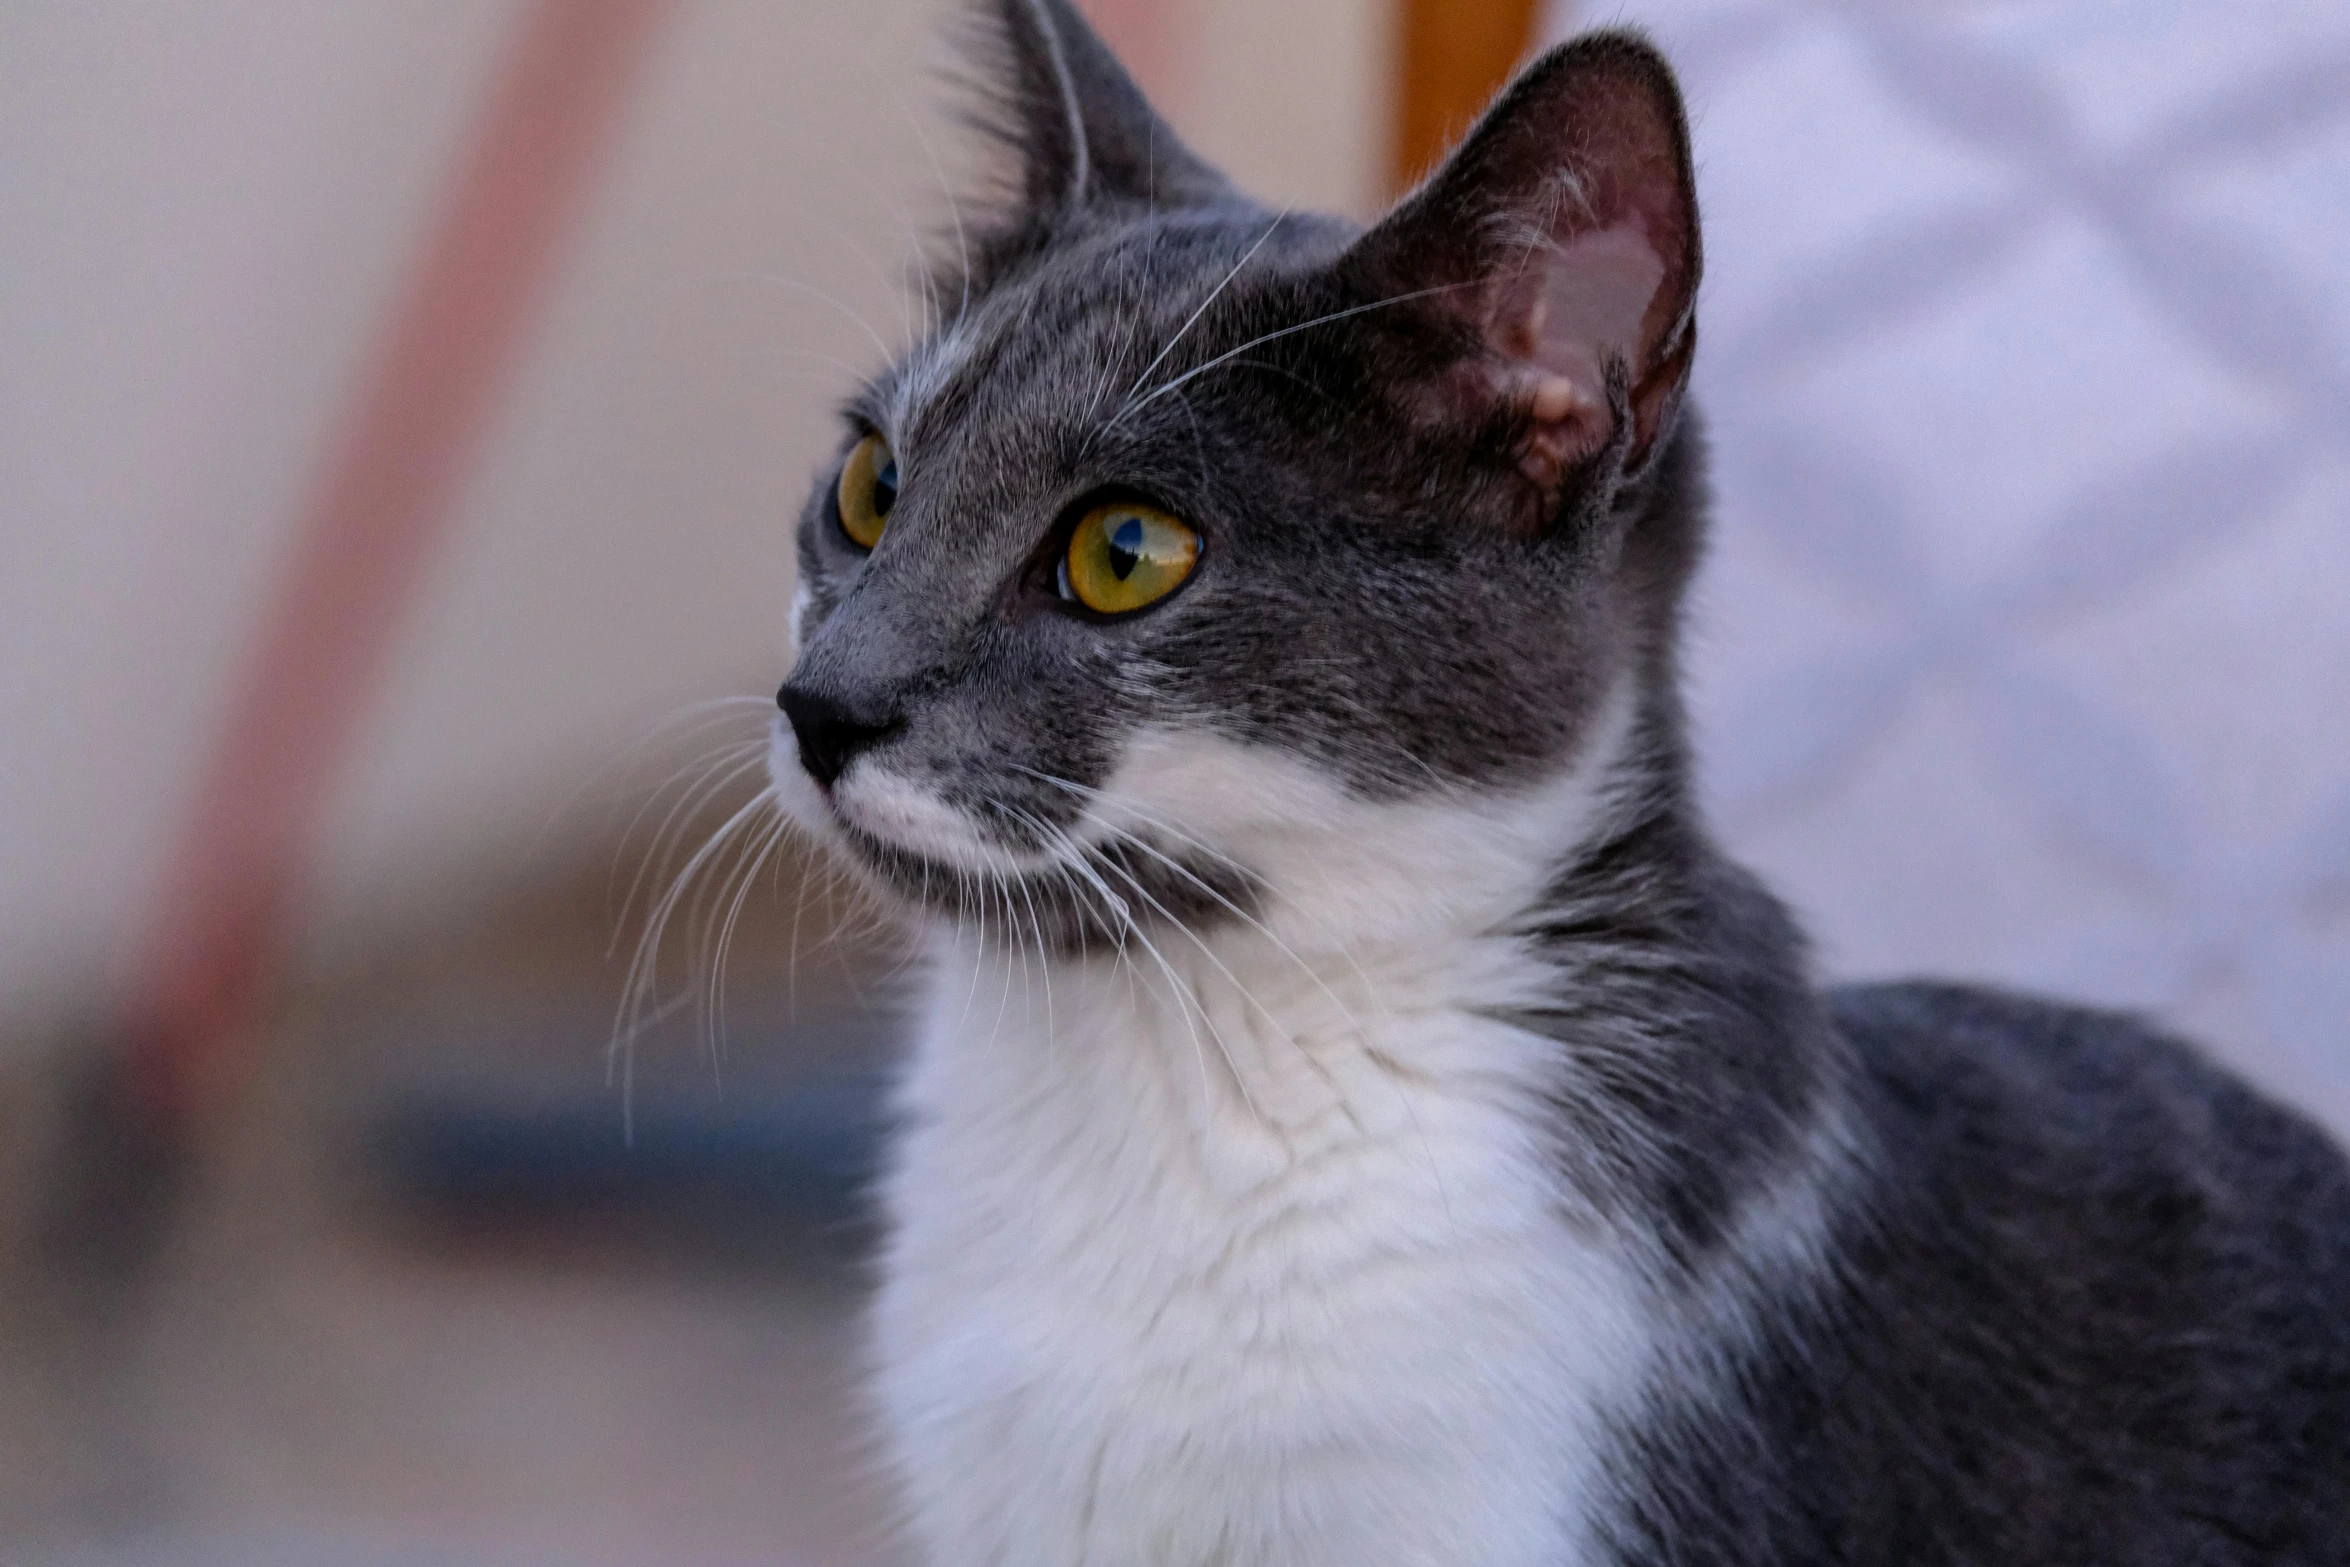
1953, 1048
2040, 1111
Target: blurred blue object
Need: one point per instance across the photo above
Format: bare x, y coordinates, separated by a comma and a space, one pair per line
804, 1152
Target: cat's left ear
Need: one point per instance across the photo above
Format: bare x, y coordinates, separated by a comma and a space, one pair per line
1563, 233
1081, 129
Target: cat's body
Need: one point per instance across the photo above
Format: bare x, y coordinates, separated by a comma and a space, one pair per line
1340, 1257
1357, 1118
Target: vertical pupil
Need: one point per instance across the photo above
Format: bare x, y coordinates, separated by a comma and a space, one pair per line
885, 486
1126, 548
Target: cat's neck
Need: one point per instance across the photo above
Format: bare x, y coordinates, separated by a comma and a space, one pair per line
1579, 948
1260, 1178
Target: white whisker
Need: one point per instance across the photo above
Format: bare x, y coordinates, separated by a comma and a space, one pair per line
1230, 354
820, 296
1193, 319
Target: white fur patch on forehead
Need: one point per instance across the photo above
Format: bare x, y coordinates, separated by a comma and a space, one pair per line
925, 371
1337, 868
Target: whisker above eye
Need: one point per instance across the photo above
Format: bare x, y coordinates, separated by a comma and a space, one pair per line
1193, 319
1261, 339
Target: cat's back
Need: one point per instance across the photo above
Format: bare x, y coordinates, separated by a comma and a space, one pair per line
2102, 1158
2091, 1304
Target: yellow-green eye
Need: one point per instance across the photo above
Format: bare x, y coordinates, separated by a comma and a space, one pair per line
868, 488
1126, 555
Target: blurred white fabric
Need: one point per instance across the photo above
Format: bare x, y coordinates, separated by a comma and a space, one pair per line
2025, 350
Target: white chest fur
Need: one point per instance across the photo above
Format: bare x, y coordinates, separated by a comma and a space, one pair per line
1279, 1276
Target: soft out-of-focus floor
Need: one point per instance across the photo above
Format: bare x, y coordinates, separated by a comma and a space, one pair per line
310, 1370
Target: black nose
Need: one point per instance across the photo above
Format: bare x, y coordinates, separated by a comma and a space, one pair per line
831, 732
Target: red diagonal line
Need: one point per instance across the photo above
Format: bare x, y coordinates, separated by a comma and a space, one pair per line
447, 352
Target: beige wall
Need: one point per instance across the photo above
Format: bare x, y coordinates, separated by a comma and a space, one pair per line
201, 209
203, 212
1293, 97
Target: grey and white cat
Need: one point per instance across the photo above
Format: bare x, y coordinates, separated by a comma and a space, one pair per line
1358, 1117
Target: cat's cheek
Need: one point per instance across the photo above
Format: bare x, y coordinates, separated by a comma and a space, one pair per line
891, 807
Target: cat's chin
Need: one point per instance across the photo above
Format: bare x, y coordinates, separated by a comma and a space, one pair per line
912, 820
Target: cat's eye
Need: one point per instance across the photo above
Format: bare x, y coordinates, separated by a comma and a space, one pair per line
868, 488
1125, 555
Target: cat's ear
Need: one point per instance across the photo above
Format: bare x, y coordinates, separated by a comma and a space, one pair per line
1563, 233
1080, 128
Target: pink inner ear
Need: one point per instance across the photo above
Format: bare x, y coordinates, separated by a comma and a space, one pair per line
1578, 305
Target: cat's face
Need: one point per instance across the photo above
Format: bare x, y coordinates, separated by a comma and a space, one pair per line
1196, 523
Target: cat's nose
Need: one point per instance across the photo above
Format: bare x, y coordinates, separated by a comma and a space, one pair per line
830, 731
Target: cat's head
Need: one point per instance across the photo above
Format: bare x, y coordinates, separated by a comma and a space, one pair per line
1206, 550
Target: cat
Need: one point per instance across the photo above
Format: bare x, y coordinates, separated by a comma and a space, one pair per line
1357, 1116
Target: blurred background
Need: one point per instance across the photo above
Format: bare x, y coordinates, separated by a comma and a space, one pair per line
402, 409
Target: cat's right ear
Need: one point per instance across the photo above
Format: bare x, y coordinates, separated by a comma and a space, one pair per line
1082, 132
1562, 233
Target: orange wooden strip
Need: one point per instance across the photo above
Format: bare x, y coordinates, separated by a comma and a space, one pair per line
1451, 57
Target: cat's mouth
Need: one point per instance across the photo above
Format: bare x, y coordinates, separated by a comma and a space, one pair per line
1067, 885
